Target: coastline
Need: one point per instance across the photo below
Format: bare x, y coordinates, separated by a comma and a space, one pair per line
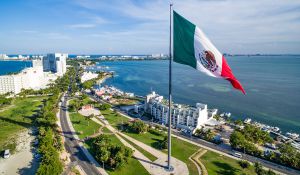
262, 125
264, 89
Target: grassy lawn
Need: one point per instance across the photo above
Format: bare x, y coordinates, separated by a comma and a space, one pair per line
180, 149
123, 101
105, 130
219, 164
71, 102
82, 126
146, 153
17, 118
113, 118
87, 100
131, 168
183, 150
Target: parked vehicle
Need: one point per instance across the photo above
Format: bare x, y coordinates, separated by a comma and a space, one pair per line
6, 154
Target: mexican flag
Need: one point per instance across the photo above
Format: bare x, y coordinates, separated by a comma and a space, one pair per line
192, 47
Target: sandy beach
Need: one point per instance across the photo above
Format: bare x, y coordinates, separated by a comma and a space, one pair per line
22, 162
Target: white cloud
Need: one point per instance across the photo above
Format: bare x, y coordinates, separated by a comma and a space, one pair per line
229, 23
81, 26
130, 26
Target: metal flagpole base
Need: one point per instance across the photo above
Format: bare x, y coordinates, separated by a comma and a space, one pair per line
169, 169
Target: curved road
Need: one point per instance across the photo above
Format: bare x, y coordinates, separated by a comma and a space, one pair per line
72, 146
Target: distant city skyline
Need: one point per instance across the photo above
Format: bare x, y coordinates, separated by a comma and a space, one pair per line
141, 27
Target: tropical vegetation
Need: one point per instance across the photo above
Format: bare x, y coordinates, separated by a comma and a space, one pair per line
113, 156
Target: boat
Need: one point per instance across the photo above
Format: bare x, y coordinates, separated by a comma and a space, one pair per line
292, 135
247, 120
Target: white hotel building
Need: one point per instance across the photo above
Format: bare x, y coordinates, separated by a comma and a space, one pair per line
56, 63
33, 77
29, 78
183, 116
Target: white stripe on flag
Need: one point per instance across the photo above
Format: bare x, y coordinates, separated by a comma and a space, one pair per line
201, 44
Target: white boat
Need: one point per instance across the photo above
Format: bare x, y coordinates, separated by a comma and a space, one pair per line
292, 135
247, 120
275, 129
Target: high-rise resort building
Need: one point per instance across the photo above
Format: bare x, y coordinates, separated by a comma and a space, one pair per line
56, 63
183, 116
31, 78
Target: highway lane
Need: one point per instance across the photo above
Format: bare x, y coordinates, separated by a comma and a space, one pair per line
72, 146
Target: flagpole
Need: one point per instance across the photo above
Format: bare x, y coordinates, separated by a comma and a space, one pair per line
170, 92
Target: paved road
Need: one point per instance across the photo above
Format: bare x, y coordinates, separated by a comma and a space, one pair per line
72, 146
265, 163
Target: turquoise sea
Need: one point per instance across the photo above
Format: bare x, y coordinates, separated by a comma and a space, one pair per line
7, 67
272, 84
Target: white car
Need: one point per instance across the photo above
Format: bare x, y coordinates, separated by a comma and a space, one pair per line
6, 154
236, 154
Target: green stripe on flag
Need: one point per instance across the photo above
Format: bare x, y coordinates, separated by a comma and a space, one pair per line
183, 41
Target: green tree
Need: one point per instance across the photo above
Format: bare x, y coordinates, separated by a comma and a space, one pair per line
104, 156
138, 126
238, 122
114, 156
289, 155
258, 168
217, 117
237, 139
209, 135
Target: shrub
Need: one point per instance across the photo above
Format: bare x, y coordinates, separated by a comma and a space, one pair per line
138, 126
244, 163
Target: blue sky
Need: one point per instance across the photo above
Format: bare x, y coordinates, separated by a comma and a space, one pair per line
141, 26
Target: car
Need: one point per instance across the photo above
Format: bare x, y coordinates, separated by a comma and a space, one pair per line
236, 154
6, 154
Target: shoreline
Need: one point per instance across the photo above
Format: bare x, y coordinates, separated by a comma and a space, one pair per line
260, 124
257, 104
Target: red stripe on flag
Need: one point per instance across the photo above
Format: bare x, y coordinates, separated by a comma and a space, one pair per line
228, 75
